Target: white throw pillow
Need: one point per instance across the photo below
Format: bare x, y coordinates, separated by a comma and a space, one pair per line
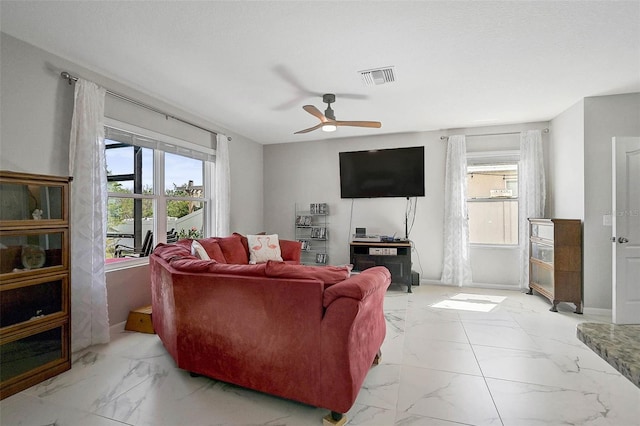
263, 248
198, 251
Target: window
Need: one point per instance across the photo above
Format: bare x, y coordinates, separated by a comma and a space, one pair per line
492, 200
152, 192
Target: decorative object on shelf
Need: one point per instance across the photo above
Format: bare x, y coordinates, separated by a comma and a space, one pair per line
319, 208
303, 221
306, 245
33, 257
318, 233
37, 214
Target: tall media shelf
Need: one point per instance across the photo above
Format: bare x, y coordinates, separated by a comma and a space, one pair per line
311, 229
34, 279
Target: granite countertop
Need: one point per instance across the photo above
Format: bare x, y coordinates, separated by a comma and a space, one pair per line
619, 345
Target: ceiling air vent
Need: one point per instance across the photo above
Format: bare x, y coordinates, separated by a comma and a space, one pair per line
378, 76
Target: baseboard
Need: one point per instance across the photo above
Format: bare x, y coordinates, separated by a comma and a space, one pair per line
608, 313
473, 285
117, 328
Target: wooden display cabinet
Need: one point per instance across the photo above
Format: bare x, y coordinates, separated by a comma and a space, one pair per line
555, 260
34, 279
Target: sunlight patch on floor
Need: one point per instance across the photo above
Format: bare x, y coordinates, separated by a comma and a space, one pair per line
470, 302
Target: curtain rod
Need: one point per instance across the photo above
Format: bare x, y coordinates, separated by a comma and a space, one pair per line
67, 76
444, 138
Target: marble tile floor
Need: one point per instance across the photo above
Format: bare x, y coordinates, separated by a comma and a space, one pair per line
479, 357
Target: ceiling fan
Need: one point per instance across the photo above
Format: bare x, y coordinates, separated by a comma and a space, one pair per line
328, 121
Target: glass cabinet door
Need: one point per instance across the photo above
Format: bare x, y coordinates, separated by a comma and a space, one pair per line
542, 276
542, 252
31, 352
31, 250
30, 202
34, 300
543, 231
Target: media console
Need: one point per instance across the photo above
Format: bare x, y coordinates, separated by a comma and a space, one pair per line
395, 256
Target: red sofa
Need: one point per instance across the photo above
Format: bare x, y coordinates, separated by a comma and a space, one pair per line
304, 333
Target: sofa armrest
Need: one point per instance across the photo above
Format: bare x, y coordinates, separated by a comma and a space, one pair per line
353, 331
359, 286
290, 250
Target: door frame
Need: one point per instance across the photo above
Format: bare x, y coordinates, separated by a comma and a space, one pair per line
619, 313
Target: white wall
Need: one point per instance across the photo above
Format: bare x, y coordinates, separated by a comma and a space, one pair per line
566, 164
36, 107
308, 172
580, 172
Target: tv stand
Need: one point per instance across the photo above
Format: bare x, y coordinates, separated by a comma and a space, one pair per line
395, 256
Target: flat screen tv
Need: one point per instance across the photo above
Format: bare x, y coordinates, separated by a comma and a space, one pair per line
396, 172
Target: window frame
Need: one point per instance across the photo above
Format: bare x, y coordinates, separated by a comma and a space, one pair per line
495, 158
161, 144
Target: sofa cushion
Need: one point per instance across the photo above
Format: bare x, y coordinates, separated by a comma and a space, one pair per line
327, 274
198, 251
263, 248
213, 249
233, 250
245, 270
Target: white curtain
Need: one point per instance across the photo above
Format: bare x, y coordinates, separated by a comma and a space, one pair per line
89, 317
531, 193
222, 187
456, 268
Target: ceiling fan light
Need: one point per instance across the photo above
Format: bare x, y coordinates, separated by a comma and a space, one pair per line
327, 127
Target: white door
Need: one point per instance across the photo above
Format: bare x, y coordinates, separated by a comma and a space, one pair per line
626, 230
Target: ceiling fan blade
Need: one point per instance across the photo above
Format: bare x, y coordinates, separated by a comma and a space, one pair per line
351, 96
310, 129
375, 124
315, 112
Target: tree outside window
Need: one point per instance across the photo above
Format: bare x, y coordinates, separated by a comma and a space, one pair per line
133, 200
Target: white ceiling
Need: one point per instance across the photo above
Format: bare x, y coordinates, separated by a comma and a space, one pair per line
250, 66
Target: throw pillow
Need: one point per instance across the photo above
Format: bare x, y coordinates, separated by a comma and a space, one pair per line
192, 265
171, 251
263, 248
198, 251
233, 250
213, 249
291, 250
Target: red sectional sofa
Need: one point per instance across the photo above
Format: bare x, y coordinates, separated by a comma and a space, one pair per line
300, 332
